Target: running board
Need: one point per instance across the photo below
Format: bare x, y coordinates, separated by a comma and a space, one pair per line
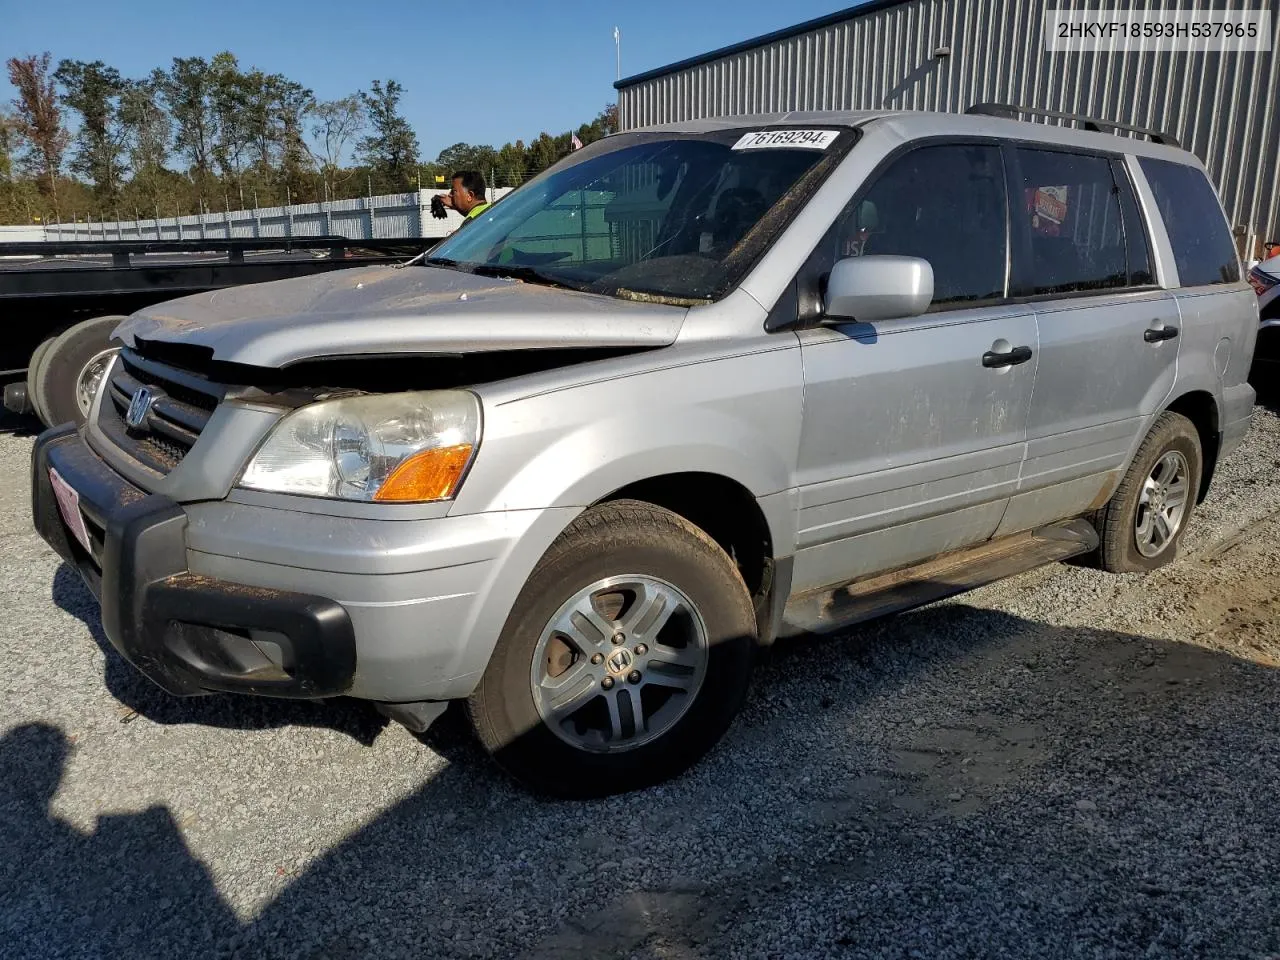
834, 608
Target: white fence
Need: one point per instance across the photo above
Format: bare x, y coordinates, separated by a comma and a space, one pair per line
32, 234
389, 216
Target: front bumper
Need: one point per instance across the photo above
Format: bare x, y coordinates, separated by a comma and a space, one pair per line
188, 633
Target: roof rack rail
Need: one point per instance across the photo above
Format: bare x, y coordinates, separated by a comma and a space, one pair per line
1015, 112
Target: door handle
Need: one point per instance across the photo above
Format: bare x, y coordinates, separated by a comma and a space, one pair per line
1012, 358
1157, 334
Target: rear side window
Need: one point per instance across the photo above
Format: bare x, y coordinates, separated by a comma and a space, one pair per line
1192, 216
1068, 211
945, 204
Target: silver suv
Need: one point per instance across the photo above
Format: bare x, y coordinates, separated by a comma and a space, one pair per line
693, 389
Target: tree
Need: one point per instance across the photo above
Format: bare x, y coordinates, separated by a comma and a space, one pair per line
229, 110
464, 156
273, 111
335, 123
92, 90
609, 118
145, 124
8, 136
147, 130
292, 104
39, 119
605, 123
391, 150
543, 152
509, 165
199, 130
187, 90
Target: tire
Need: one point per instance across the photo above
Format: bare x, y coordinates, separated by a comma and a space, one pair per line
57, 379
33, 366
1120, 548
638, 544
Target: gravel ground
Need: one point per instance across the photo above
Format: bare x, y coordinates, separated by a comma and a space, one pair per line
1063, 764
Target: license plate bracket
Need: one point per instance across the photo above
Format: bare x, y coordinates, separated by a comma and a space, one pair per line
69, 507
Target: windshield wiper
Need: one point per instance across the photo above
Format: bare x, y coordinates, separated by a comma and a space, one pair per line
520, 272
447, 263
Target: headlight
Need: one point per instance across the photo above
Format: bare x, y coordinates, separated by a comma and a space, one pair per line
400, 447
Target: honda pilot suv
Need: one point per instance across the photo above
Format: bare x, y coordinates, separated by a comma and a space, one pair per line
694, 389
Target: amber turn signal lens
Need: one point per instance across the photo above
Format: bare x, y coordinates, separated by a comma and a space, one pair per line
429, 475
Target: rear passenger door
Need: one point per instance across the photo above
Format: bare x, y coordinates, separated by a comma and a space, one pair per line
1107, 334
1219, 312
911, 444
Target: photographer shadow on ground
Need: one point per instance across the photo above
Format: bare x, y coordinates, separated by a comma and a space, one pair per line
130, 880
1023, 720
426, 872
352, 717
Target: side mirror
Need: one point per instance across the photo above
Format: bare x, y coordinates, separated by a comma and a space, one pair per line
870, 289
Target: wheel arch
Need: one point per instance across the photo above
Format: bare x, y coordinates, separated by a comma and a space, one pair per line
1201, 408
727, 512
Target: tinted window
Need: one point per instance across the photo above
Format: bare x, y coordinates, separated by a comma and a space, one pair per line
1192, 216
1137, 247
1069, 213
944, 204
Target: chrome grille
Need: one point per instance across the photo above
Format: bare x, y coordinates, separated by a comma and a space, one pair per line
180, 405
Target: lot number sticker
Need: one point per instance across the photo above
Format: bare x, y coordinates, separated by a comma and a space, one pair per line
774, 139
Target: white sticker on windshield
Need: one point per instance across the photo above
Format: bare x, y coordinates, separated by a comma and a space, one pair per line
804, 139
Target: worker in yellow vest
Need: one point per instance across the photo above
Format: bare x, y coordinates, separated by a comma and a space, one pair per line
466, 194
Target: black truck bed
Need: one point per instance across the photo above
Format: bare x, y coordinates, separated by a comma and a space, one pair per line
46, 287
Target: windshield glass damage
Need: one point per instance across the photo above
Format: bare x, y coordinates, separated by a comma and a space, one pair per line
668, 217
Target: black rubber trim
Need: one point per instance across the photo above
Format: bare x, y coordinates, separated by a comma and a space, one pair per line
187, 633
779, 594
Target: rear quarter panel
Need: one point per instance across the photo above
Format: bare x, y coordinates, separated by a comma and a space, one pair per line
1219, 330
1219, 333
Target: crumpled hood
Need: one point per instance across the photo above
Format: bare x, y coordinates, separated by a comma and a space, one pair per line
381, 310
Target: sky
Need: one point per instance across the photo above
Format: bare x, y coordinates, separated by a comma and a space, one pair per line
472, 72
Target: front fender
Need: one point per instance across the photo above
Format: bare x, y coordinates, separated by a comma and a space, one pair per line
738, 417
560, 452
608, 454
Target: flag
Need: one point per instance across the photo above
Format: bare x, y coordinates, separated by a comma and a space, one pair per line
577, 144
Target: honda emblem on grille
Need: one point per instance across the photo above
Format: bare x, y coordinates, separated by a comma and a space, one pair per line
139, 407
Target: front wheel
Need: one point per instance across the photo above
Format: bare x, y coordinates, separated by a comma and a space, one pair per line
625, 658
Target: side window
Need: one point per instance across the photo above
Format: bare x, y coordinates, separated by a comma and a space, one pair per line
1136, 243
945, 204
1202, 247
1069, 214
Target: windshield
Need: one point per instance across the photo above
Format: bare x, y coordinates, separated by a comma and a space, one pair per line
669, 216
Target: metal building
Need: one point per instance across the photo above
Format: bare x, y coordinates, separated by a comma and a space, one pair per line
949, 54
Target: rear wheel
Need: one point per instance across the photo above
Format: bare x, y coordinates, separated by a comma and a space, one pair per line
624, 660
1141, 525
72, 368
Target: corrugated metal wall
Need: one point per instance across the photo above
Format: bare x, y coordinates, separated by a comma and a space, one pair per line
1222, 107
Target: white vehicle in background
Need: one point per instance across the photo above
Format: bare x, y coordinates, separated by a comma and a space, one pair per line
1265, 280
